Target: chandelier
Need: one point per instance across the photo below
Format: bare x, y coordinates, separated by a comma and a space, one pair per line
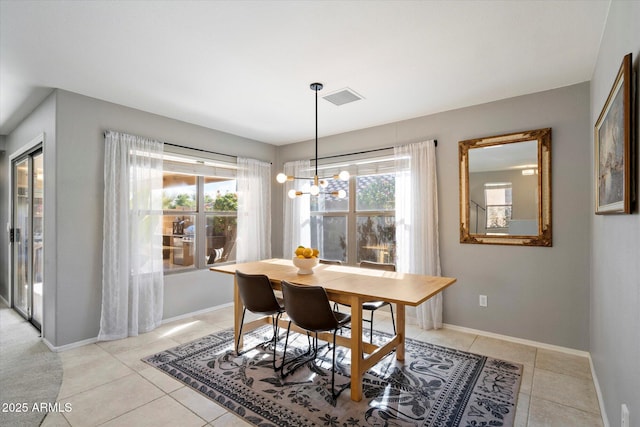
319, 183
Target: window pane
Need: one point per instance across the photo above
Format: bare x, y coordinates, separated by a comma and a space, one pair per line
221, 237
375, 192
199, 199
178, 241
329, 235
179, 192
220, 194
498, 200
376, 238
498, 216
498, 196
329, 203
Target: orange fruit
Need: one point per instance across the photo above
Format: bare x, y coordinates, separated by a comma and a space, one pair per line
307, 252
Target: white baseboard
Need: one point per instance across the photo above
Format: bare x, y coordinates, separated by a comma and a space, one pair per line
69, 346
603, 412
94, 340
523, 341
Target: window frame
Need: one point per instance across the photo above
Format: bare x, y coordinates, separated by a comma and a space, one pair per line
185, 163
358, 167
497, 186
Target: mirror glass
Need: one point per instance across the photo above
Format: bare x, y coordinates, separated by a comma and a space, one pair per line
505, 189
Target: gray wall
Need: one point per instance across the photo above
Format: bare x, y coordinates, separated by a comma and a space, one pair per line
76, 279
615, 266
540, 294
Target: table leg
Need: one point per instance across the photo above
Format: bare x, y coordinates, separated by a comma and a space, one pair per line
400, 330
237, 315
356, 349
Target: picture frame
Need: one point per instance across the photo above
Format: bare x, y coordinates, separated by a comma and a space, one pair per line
612, 138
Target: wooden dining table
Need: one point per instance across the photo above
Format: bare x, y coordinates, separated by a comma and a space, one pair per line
352, 286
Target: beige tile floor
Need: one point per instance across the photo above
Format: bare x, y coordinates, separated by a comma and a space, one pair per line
107, 384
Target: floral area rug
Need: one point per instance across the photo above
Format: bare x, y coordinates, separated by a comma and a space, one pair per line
433, 386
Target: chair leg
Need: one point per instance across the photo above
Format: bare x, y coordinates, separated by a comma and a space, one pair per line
301, 359
393, 322
275, 338
284, 353
334, 394
315, 344
274, 322
333, 368
371, 328
244, 310
314, 350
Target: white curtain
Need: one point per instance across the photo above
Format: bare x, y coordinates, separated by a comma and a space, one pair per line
132, 269
254, 210
417, 221
297, 216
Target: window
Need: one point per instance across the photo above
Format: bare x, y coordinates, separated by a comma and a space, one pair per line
362, 225
498, 201
200, 205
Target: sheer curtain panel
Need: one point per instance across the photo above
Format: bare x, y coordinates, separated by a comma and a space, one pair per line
254, 210
417, 221
297, 216
132, 276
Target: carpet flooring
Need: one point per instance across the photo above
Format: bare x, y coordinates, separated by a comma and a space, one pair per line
30, 374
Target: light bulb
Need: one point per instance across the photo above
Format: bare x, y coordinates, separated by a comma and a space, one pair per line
292, 194
323, 183
314, 190
342, 194
281, 178
344, 175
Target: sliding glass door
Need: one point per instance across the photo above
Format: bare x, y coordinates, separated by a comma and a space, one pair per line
27, 235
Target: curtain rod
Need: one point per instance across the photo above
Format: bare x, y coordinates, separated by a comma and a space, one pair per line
200, 149
207, 151
191, 148
362, 152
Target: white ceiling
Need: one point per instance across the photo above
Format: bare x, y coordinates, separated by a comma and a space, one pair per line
245, 67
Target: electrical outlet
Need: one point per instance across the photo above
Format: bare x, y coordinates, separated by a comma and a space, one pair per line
483, 301
624, 416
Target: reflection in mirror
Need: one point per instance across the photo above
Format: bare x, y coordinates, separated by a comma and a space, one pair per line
505, 189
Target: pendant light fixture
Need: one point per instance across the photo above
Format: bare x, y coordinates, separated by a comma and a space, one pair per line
318, 182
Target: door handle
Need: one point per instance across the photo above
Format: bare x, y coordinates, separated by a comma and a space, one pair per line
14, 235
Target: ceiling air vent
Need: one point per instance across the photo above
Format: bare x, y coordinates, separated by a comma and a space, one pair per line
342, 96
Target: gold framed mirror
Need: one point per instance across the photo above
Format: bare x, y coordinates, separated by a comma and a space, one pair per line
505, 189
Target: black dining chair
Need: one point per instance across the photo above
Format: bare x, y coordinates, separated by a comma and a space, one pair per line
331, 261
372, 306
257, 296
308, 308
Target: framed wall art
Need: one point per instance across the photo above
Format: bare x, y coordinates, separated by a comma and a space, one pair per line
612, 147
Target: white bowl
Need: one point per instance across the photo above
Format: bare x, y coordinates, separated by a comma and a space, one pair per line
305, 265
